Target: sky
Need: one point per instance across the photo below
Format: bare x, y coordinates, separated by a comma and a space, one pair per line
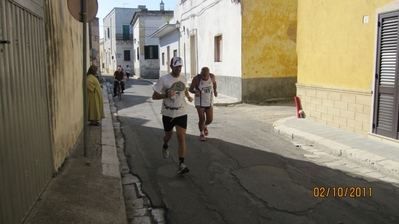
105, 7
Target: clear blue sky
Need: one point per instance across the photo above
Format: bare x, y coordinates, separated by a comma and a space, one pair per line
105, 6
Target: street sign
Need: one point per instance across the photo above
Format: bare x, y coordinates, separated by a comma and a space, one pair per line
75, 8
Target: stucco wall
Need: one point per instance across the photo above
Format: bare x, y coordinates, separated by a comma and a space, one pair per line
337, 51
145, 25
269, 60
200, 22
65, 69
170, 40
113, 49
336, 65
95, 40
109, 42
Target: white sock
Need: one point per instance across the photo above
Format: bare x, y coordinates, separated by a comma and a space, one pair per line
202, 132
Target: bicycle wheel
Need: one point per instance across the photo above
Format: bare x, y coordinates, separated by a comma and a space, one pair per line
119, 93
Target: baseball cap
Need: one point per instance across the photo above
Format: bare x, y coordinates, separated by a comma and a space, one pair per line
176, 61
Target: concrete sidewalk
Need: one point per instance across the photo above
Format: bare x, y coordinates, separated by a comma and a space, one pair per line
86, 189
376, 154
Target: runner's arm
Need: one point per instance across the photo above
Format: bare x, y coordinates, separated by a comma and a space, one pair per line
215, 92
188, 95
158, 96
194, 83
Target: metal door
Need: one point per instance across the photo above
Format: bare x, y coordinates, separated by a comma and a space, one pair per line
25, 136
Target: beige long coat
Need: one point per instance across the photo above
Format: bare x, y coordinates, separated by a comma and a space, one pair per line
95, 106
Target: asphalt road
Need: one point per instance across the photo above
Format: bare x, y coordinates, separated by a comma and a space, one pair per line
244, 172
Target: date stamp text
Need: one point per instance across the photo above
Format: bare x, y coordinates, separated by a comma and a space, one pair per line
343, 192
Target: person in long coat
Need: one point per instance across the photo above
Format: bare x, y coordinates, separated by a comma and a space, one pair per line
95, 107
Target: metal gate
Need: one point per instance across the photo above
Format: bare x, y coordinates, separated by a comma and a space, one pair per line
25, 134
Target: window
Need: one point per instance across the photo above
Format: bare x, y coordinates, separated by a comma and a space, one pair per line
174, 53
138, 53
105, 34
108, 31
218, 48
163, 58
151, 52
126, 32
126, 55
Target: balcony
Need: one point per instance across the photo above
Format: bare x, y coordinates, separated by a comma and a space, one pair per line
124, 36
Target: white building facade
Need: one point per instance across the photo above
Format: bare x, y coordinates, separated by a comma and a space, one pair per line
118, 39
209, 35
169, 37
146, 49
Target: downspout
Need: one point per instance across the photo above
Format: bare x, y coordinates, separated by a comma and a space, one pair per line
84, 18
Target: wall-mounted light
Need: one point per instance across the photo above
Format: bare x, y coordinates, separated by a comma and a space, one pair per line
177, 25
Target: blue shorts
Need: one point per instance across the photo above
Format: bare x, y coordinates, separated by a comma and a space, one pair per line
206, 108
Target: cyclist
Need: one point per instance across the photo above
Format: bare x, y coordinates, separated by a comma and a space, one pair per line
119, 76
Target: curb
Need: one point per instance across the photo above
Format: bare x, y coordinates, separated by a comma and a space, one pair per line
137, 205
109, 157
378, 163
227, 104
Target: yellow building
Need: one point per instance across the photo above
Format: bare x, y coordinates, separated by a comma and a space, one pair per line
347, 60
269, 60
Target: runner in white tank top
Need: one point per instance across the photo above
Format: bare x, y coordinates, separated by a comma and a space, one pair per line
204, 88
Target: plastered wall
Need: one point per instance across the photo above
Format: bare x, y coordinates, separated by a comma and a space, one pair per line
64, 36
269, 60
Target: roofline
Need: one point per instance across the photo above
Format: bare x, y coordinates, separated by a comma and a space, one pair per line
162, 28
117, 8
136, 14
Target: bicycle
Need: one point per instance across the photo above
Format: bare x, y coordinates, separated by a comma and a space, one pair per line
119, 89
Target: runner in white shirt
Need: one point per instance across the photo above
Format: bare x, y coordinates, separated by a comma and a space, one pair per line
127, 71
204, 87
171, 88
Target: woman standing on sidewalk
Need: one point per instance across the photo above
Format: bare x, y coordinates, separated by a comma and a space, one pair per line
95, 109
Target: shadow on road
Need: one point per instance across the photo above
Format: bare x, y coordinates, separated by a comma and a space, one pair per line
236, 181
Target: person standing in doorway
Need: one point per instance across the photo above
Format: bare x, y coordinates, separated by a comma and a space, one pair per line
120, 76
204, 87
171, 88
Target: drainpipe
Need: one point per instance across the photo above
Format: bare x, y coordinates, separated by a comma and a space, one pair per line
84, 15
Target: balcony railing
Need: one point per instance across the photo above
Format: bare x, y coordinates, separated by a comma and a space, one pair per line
124, 36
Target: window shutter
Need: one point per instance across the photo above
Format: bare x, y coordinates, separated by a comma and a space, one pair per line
156, 53
147, 52
386, 76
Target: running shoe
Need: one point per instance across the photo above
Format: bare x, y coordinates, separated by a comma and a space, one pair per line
165, 152
206, 132
202, 137
183, 169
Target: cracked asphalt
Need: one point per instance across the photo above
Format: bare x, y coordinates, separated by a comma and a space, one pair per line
244, 172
